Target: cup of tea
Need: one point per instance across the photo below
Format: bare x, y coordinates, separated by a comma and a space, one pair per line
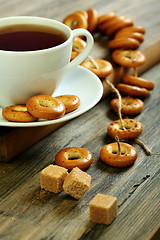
35, 55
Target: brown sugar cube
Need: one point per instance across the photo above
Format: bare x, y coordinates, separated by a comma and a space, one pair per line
103, 209
77, 183
52, 178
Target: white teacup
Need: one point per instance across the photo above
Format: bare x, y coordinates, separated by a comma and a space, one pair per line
30, 72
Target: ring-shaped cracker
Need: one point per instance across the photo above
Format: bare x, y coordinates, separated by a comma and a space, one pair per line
122, 23
109, 23
74, 157
105, 17
74, 54
123, 43
83, 12
105, 67
76, 20
71, 102
78, 46
92, 19
110, 154
135, 35
17, 113
45, 106
133, 91
137, 81
130, 106
132, 129
138, 29
128, 58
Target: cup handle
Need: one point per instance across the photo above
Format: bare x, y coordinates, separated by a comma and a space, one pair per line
84, 54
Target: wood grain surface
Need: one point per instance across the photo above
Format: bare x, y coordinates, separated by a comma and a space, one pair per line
150, 47
27, 212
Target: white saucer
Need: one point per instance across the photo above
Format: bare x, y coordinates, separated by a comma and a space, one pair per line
80, 82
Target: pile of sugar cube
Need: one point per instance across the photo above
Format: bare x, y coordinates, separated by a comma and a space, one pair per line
53, 178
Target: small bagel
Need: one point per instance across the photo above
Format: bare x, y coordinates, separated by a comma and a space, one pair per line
74, 157
105, 17
128, 58
105, 67
132, 129
83, 12
78, 46
110, 154
138, 29
130, 106
92, 19
133, 91
45, 106
71, 102
76, 20
122, 23
124, 43
74, 54
108, 23
135, 35
112, 25
17, 113
137, 81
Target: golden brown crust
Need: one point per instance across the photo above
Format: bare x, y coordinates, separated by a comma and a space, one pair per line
132, 129
108, 23
45, 106
136, 35
121, 24
92, 19
17, 113
110, 155
137, 81
78, 46
133, 91
76, 20
72, 157
123, 43
138, 29
128, 58
104, 67
71, 102
130, 106
105, 17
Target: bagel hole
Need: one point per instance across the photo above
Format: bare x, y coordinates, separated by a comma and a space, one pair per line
127, 102
74, 23
126, 125
20, 109
73, 155
129, 54
122, 150
46, 103
121, 153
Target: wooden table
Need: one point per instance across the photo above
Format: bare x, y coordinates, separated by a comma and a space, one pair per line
27, 212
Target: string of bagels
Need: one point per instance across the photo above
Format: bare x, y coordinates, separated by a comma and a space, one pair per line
124, 39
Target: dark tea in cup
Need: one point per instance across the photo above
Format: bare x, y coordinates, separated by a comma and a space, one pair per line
29, 37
